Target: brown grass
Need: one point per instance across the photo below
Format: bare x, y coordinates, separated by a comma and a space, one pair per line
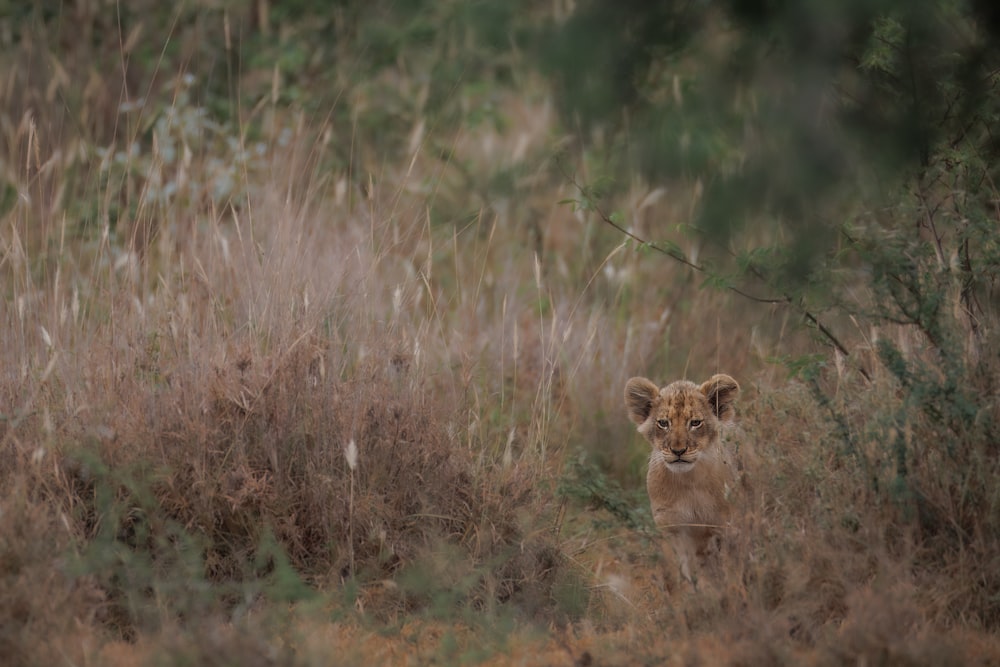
318, 419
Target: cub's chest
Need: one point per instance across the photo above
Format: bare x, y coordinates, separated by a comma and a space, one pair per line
699, 493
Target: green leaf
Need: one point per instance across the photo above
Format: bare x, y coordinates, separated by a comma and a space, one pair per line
804, 366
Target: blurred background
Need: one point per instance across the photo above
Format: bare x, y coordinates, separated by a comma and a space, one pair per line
317, 316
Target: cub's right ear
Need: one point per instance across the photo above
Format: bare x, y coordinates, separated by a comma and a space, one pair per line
639, 396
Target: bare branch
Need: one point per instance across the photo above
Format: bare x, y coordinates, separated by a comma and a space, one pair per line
784, 299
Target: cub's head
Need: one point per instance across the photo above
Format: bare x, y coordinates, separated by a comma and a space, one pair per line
681, 421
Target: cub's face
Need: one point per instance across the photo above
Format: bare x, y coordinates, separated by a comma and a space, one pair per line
681, 421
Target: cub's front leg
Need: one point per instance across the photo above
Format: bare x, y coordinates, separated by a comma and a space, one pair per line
679, 550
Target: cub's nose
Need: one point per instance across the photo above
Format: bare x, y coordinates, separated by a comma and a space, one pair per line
678, 452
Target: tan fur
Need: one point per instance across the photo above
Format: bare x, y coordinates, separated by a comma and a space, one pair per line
689, 472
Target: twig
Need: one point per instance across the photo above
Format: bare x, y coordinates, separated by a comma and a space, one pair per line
784, 299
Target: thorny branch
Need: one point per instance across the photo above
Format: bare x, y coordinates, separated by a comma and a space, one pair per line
784, 299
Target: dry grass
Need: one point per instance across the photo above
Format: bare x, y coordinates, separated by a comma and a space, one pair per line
313, 421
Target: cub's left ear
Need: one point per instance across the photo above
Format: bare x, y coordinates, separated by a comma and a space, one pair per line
721, 391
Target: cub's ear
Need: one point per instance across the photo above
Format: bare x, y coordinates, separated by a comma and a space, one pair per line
721, 391
639, 396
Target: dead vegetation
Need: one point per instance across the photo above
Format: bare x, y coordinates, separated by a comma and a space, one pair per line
314, 417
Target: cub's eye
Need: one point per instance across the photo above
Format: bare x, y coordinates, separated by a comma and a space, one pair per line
663, 423
696, 423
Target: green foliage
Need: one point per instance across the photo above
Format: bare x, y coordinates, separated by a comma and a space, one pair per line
148, 564
179, 156
8, 197
858, 140
806, 366
768, 107
587, 483
590, 195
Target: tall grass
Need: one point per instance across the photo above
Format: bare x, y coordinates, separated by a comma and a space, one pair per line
263, 405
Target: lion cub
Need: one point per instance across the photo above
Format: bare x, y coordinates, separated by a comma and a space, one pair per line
689, 473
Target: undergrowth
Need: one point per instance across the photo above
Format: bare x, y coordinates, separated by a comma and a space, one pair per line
309, 357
